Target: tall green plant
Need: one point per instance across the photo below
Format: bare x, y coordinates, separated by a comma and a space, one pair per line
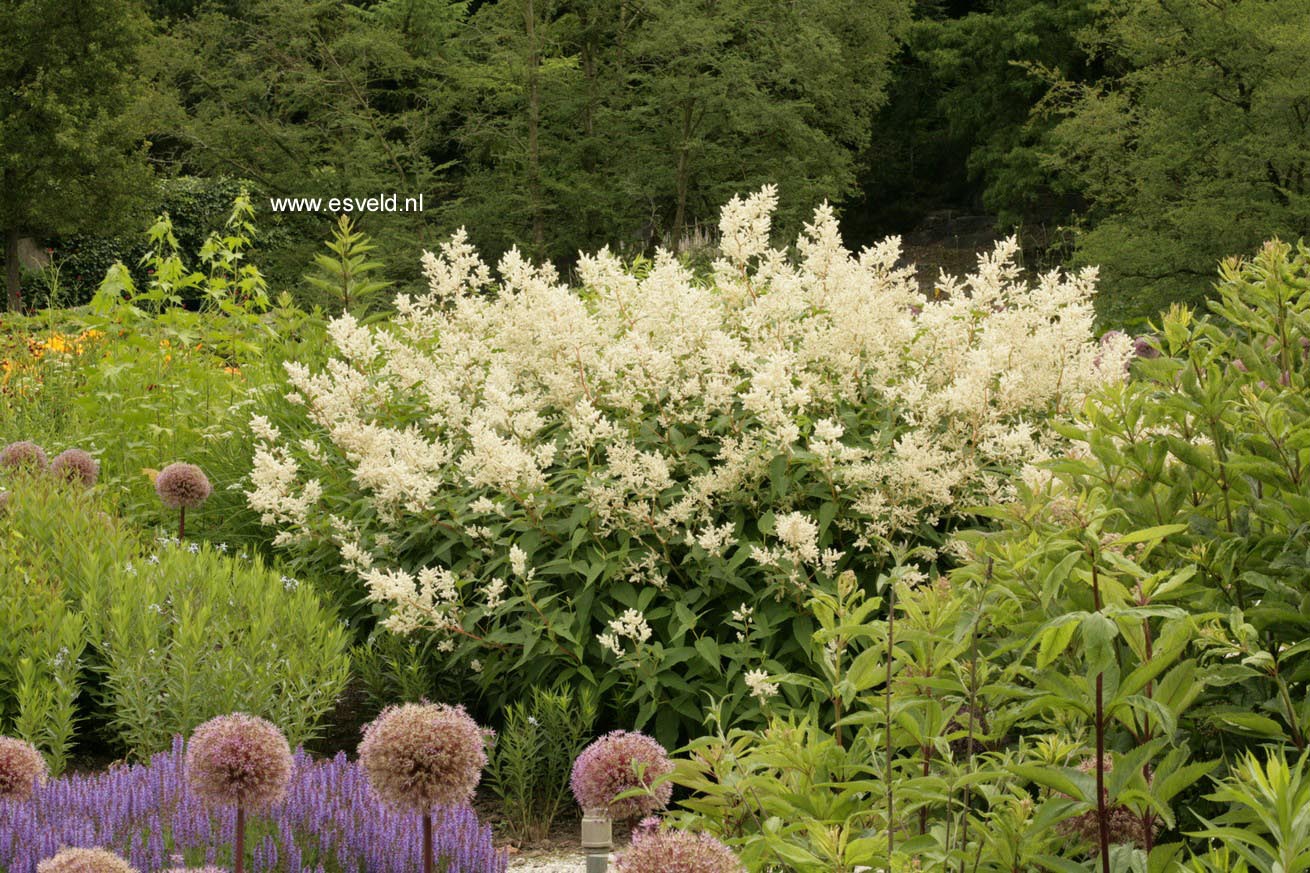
1212, 438
1265, 827
343, 275
532, 760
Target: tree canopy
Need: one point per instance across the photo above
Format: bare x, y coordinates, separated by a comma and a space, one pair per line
71, 156
1152, 137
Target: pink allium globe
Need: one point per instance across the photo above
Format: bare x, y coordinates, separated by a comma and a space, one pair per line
21, 769
182, 486
76, 465
608, 767
238, 760
420, 756
85, 861
24, 456
673, 851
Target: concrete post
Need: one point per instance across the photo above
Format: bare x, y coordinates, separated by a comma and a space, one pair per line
597, 839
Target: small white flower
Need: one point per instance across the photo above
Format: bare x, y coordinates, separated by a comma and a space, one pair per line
518, 561
760, 686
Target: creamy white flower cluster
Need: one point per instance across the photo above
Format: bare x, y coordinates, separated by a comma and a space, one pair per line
630, 625
489, 388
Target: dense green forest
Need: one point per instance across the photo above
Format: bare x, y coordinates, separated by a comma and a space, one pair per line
1150, 137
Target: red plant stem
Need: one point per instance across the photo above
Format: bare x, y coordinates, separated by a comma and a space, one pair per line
1102, 816
1148, 817
240, 848
427, 842
887, 711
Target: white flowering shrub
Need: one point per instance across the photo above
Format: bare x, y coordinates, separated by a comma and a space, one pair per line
634, 482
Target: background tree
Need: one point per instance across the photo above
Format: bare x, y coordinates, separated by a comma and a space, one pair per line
1195, 146
318, 99
70, 156
734, 95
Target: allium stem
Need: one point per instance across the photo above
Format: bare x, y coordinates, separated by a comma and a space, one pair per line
427, 842
181, 524
240, 848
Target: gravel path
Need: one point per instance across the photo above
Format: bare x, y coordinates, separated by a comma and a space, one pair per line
554, 862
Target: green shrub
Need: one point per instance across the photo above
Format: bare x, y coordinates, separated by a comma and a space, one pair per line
532, 761
174, 634
40, 660
1213, 437
635, 483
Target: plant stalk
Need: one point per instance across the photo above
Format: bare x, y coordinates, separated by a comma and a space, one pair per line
887, 713
1102, 816
240, 847
427, 842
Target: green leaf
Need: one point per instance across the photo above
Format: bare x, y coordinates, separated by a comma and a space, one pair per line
1054, 640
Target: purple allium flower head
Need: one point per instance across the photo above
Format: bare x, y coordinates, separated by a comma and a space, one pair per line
418, 756
21, 769
673, 851
76, 465
85, 861
24, 456
1144, 348
182, 486
608, 767
238, 759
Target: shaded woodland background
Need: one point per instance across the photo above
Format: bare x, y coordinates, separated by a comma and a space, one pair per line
1151, 137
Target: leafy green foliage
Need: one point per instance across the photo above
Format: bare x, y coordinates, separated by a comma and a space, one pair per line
189, 634
343, 275
71, 160
1193, 149
533, 756
1264, 827
172, 635
1214, 438
40, 652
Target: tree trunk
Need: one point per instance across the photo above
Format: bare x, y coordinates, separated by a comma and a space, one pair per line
682, 180
11, 269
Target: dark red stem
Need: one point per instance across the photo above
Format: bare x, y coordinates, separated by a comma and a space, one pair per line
240, 849
427, 842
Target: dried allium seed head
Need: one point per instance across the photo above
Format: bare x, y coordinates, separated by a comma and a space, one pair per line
673, 851
419, 756
85, 861
76, 465
21, 769
1124, 825
609, 766
182, 486
238, 759
24, 456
